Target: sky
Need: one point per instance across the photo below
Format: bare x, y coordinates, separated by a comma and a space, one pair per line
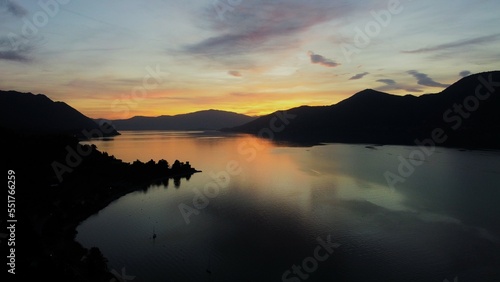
120, 58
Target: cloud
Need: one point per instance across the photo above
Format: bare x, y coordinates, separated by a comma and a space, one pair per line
234, 73
359, 76
318, 59
464, 73
262, 26
456, 44
19, 54
243, 94
14, 56
391, 84
411, 89
13, 8
424, 79
228, 44
387, 81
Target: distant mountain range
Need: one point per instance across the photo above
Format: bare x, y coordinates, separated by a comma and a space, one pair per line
464, 114
202, 120
37, 114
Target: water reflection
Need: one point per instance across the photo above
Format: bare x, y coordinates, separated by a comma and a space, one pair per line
441, 222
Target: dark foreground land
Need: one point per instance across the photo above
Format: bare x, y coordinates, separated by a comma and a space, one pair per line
58, 184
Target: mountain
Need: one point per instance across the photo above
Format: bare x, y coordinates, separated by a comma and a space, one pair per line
202, 120
459, 114
37, 114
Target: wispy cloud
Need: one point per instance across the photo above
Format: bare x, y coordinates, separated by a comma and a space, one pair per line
457, 44
234, 73
263, 26
424, 79
320, 60
20, 54
242, 94
359, 76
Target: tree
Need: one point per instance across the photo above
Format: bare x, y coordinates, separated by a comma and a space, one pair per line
176, 166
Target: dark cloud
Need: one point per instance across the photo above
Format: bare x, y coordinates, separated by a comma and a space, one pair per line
359, 76
229, 44
13, 8
387, 81
456, 44
424, 79
464, 73
234, 73
411, 89
18, 54
13, 56
391, 84
320, 60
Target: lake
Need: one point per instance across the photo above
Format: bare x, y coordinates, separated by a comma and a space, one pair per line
265, 211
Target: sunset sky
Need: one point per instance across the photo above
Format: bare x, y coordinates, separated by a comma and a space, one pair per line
121, 58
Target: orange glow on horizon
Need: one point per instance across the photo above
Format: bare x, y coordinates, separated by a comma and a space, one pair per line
260, 98
250, 107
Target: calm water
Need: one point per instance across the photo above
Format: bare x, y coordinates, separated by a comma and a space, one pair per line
258, 208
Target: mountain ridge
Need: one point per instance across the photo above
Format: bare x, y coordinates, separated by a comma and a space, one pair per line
200, 120
37, 114
375, 117
368, 116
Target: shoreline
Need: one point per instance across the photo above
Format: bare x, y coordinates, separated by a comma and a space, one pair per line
50, 208
69, 228
130, 189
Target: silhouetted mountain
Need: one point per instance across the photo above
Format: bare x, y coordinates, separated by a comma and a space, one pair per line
37, 114
468, 120
202, 120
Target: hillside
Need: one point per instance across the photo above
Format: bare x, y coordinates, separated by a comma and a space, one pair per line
202, 120
370, 116
37, 114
